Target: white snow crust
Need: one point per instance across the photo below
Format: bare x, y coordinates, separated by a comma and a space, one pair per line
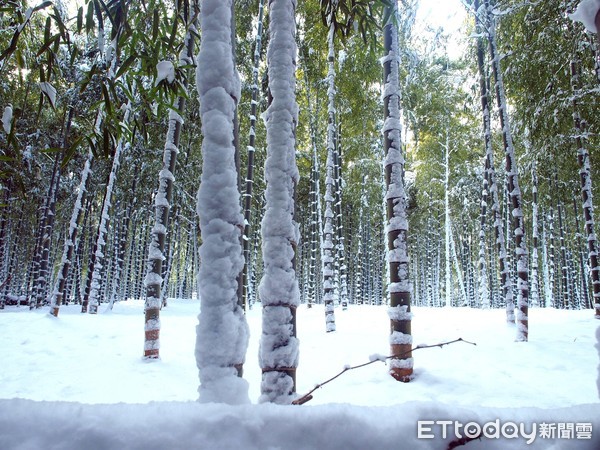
165, 70
7, 118
586, 13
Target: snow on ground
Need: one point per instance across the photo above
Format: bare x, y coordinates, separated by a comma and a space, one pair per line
79, 382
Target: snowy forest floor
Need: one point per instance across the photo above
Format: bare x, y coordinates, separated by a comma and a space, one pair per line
79, 382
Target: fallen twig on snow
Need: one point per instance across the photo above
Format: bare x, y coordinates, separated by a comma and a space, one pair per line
307, 397
462, 441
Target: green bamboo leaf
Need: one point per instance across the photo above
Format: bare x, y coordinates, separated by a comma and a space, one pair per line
74, 54
71, 151
92, 146
59, 23
173, 33
155, 23
47, 29
106, 98
89, 17
42, 6
53, 40
79, 19
108, 14
126, 65
106, 142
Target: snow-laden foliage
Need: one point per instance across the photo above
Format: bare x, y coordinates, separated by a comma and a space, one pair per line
165, 71
49, 91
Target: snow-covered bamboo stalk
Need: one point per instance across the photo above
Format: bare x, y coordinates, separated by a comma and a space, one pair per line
330, 293
361, 251
315, 202
582, 260
251, 150
162, 203
121, 280
15, 243
312, 287
222, 332
458, 270
535, 290
447, 224
173, 243
566, 295
69, 246
3, 235
583, 159
39, 266
340, 249
98, 260
278, 290
117, 262
551, 300
520, 247
505, 281
484, 288
399, 288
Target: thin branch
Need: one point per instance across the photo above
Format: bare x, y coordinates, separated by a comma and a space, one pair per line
463, 441
307, 397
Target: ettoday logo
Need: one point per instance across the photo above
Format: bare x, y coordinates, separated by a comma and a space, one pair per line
430, 429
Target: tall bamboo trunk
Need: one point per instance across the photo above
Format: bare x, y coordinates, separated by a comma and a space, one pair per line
315, 200
490, 172
330, 293
69, 245
279, 347
583, 160
514, 191
535, 292
401, 363
582, 261
340, 250
219, 359
251, 149
41, 289
164, 196
447, 226
96, 276
34, 276
566, 295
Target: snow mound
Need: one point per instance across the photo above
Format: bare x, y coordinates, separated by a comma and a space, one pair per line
165, 70
586, 13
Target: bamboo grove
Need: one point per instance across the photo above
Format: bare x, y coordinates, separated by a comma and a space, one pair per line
497, 149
